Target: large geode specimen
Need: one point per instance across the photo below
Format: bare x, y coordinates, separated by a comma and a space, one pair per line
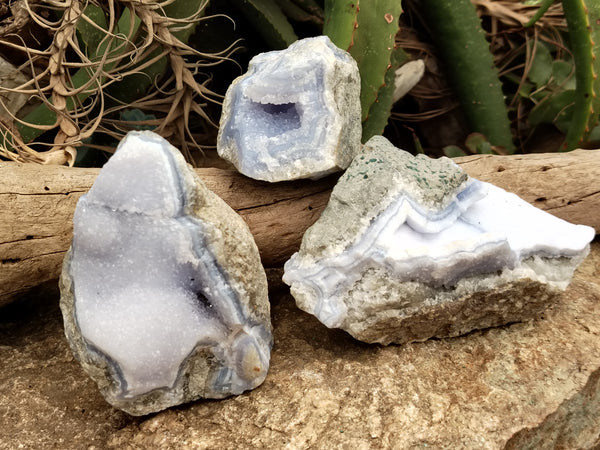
294, 114
163, 294
411, 248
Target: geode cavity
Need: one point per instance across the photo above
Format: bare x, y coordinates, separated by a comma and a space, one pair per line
164, 298
410, 248
294, 114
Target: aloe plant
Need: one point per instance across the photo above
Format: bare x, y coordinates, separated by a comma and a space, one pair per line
340, 21
368, 30
550, 86
593, 13
581, 30
578, 112
380, 111
269, 21
458, 35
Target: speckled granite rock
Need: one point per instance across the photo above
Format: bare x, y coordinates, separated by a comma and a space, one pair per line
163, 294
411, 248
528, 385
294, 114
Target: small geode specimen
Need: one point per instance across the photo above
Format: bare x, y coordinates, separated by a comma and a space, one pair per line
163, 294
411, 248
294, 114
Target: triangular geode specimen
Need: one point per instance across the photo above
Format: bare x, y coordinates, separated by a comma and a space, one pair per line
163, 294
411, 248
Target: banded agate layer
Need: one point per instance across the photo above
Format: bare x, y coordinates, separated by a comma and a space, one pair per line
294, 114
163, 293
410, 248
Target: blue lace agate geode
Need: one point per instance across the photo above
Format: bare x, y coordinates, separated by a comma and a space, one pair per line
410, 248
163, 294
294, 114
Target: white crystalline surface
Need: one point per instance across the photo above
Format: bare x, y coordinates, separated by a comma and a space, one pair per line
286, 117
147, 289
488, 232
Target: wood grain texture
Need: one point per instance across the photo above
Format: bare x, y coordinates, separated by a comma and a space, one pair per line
566, 185
38, 204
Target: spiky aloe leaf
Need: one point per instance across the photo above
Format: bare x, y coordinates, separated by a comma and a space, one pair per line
368, 31
340, 21
269, 21
593, 13
583, 24
306, 11
457, 33
310, 6
373, 44
92, 33
581, 46
380, 110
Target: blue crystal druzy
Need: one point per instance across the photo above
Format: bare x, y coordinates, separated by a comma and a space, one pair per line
294, 114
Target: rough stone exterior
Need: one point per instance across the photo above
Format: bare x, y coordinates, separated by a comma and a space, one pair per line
233, 247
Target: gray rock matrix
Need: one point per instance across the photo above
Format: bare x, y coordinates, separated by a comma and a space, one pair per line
294, 114
163, 294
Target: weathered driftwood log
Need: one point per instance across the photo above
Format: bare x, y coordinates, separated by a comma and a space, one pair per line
566, 185
38, 204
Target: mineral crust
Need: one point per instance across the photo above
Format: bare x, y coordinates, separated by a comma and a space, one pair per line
411, 248
163, 294
294, 114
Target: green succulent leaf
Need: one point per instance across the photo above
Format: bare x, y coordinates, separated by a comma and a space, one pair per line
302, 11
340, 21
453, 151
92, 31
457, 32
477, 143
368, 33
269, 21
562, 75
373, 43
541, 65
593, 12
380, 110
582, 48
556, 109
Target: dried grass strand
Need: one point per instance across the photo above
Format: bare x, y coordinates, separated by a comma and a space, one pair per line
82, 110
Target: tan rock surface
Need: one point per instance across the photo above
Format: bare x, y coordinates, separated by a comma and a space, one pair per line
527, 385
